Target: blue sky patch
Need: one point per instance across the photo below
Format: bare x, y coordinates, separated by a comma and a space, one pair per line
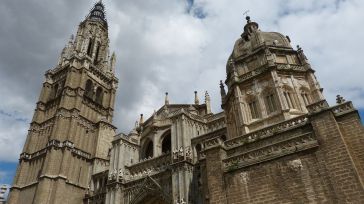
196, 11
361, 113
7, 172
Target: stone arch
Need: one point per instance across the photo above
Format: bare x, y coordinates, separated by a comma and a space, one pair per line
148, 149
150, 198
150, 192
197, 149
166, 142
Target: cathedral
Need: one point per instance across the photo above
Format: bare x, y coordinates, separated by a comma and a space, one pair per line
276, 141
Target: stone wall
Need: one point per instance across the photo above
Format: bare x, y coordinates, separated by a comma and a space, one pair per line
315, 158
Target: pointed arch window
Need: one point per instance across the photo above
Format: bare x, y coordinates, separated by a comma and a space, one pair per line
254, 108
99, 95
288, 96
270, 103
55, 90
89, 89
166, 144
148, 151
305, 97
97, 52
90, 46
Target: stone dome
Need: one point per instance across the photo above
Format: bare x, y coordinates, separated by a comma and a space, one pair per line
253, 38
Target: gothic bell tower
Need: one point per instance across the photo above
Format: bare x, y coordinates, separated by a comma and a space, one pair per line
71, 130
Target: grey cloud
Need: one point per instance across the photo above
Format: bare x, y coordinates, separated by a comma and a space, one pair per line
162, 47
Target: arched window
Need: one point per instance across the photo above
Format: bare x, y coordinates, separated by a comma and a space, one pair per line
55, 90
89, 89
166, 143
148, 151
89, 48
305, 97
97, 52
254, 108
288, 96
99, 95
270, 102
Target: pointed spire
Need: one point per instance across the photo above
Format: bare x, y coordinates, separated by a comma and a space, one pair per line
301, 56
207, 96
208, 103
222, 90
166, 100
197, 101
112, 62
141, 120
98, 13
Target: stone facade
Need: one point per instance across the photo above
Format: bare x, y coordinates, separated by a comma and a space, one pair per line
276, 140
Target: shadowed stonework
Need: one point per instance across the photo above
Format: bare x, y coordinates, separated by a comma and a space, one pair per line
276, 141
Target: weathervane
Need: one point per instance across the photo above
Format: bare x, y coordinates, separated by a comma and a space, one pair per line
246, 13
246, 16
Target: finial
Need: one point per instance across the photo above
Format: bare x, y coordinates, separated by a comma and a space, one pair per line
248, 19
222, 90
112, 62
154, 114
141, 120
340, 99
136, 124
197, 101
207, 102
301, 56
166, 100
207, 96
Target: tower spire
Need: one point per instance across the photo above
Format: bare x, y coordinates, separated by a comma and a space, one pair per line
98, 13
207, 102
166, 100
197, 101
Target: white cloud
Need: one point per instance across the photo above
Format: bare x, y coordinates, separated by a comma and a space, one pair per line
161, 47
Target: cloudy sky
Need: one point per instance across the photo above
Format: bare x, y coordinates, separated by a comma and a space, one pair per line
167, 45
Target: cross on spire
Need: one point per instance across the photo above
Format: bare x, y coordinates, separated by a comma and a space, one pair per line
246, 13
246, 16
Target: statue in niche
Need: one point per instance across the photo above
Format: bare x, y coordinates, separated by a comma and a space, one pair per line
175, 154
180, 153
